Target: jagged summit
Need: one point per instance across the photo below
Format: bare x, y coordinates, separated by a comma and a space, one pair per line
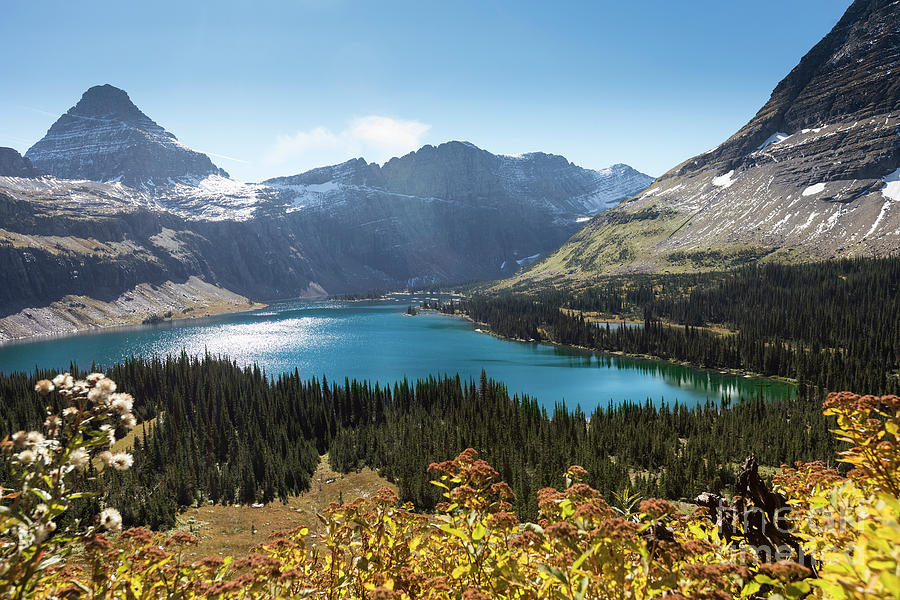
105, 137
111, 103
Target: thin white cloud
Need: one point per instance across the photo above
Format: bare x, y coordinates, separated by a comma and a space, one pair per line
374, 137
240, 160
38, 110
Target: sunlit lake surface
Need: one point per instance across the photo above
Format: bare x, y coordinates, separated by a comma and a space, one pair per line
377, 342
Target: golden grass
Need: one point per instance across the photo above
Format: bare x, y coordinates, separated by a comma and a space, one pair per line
127, 443
233, 530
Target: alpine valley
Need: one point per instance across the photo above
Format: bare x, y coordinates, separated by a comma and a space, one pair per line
108, 219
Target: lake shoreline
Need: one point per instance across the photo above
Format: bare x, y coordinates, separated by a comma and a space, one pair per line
377, 343
142, 305
485, 328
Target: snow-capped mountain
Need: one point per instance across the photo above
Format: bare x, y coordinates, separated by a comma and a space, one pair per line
105, 137
814, 175
462, 173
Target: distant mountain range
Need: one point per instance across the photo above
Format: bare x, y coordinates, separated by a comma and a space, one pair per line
814, 175
108, 201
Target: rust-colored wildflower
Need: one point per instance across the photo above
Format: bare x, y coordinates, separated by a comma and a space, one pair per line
182, 538
591, 511
502, 520
383, 593
151, 554
482, 472
502, 490
386, 495
463, 493
616, 528
562, 530
785, 570
525, 540
656, 508
292, 575
475, 594
139, 535
438, 585
695, 547
256, 561
97, 543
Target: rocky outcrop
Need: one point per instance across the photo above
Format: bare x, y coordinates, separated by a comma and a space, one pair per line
814, 175
13, 164
105, 137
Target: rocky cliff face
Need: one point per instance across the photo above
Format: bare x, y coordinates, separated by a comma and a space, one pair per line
813, 175
13, 164
105, 137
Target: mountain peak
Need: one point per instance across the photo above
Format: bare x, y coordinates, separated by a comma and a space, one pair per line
106, 137
108, 101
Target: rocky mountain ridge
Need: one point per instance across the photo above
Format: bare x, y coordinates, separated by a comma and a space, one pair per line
463, 173
812, 176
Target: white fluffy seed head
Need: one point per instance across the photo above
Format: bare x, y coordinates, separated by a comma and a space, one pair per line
64, 381
26, 457
121, 403
44, 387
95, 377
110, 519
107, 385
98, 396
122, 461
106, 457
79, 458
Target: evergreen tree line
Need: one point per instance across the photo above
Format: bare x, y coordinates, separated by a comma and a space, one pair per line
834, 325
221, 433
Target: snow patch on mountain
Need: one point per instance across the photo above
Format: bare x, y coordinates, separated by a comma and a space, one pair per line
299, 196
91, 196
212, 198
775, 138
724, 181
891, 189
815, 188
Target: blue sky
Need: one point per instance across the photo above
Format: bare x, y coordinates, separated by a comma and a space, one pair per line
274, 88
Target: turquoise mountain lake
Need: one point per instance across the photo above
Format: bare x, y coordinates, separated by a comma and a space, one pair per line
377, 342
